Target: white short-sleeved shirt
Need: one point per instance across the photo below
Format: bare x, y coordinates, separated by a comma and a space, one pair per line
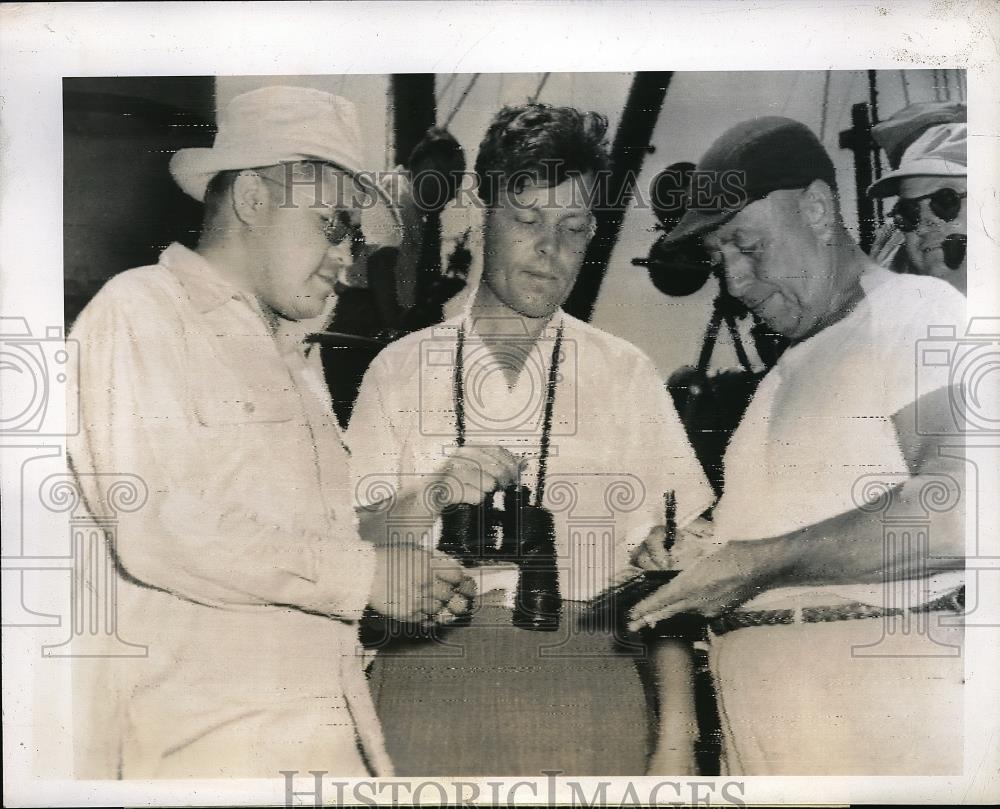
818, 437
617, 443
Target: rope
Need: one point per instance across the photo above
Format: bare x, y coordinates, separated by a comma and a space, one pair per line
538, 90
906, 88
450, 81
461, 101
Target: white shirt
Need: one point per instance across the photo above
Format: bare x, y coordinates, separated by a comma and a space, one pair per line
616, 442
818, 437
249, 528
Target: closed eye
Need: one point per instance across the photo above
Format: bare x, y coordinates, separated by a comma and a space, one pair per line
578, 226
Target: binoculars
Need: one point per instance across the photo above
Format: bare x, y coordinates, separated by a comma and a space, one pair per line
521, 533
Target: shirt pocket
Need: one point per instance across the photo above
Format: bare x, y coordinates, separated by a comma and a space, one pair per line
253, 404
239, 381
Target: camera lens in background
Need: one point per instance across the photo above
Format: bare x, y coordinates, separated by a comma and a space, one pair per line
679, 269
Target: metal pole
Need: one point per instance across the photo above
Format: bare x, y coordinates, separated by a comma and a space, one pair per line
631, 144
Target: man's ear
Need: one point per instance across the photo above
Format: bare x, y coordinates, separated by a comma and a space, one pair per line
250, 197
818, 207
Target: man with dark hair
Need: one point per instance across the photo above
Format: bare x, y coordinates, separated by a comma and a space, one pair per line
539, 142
515, 392
243, 573
835, 641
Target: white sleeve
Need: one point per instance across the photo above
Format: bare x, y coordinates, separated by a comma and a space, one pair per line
373, 437
131, 379
660, 450
919, 346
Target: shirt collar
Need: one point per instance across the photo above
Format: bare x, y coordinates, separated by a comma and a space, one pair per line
555, 320
204, 286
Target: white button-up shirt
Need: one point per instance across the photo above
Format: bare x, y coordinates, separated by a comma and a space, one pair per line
617, 444
243, 572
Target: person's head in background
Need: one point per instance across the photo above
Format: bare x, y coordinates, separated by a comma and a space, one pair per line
436, 165
540, 170
931, 183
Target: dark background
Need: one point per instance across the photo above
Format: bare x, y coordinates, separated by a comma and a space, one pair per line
121, 208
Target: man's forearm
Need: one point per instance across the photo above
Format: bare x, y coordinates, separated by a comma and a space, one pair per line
850, 547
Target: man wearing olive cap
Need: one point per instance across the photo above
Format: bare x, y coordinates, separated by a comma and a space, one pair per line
242, 574
835, 639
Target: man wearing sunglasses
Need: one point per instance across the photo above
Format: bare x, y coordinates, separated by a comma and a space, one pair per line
931, 184
835, 596
242, 574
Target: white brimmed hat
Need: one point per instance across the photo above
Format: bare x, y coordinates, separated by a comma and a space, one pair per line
271, 125
939, 152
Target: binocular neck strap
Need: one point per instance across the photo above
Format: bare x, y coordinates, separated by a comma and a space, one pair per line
458, 390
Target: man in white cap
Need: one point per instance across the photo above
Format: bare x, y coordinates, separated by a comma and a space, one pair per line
242, 574
931, 184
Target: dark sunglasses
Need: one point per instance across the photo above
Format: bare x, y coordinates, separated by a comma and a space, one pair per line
946, 204
340, 228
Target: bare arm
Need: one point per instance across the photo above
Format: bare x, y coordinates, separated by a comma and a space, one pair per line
846, 548
678, 724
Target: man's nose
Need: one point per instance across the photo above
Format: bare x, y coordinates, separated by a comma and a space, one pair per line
739, 279
340, 254
546, 243
927, 218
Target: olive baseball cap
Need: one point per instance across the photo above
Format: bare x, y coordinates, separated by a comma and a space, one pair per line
747, 163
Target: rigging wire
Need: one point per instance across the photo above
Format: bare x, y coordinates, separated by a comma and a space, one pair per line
538, 90
788, 98
947, 84
447, 85
906, 88
461, 100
